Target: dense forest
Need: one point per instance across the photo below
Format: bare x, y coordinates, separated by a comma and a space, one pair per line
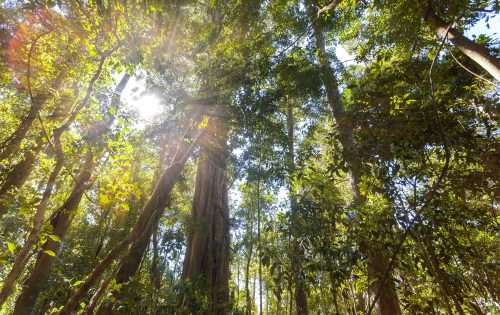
249, 157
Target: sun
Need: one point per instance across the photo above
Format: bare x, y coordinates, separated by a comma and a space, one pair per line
148, 106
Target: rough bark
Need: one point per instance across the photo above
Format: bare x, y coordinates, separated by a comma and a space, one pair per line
388, 303
474, 51
207, 253
61, 222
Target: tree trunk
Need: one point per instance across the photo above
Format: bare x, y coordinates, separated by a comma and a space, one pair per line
154, 207
390, 303
441, 276
11, 145
89, 309
471, 49
207, 253
259, 244
20, 173
24, 254
247, 280
155, 270
377, 266
298, 254
61, 222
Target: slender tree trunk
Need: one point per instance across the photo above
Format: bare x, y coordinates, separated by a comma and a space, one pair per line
20, 173
259, 243
207, 252
11, 145
298, 254
89, 309
153, 208
155, 270
471, 49
24, 254
247, 280
388, 303
441, 276
61, 222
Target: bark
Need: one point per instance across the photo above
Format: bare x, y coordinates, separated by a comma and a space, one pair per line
388, 303
18, 176
247, 280
154, 207
377, 266
207, 253
24, 254
11, 145
474, 51
61, 222
20, 173
89, 309
441, 277
298, 254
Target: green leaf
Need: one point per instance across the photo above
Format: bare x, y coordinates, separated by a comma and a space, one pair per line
55, 238
77, 283
50, 253
11, 247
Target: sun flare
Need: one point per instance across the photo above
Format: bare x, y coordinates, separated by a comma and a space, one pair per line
148, 106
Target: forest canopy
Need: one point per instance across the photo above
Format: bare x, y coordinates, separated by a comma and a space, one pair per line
249, 157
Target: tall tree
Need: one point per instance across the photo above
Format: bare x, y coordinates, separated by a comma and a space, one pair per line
207, 253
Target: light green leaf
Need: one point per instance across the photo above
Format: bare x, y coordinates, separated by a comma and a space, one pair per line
55, 238
11, 247
50, 253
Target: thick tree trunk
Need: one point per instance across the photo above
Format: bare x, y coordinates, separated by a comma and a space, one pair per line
471, 49
61, 222
377, 266
207, 253
388, 303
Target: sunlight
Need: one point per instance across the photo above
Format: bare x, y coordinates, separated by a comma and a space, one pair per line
148, 106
